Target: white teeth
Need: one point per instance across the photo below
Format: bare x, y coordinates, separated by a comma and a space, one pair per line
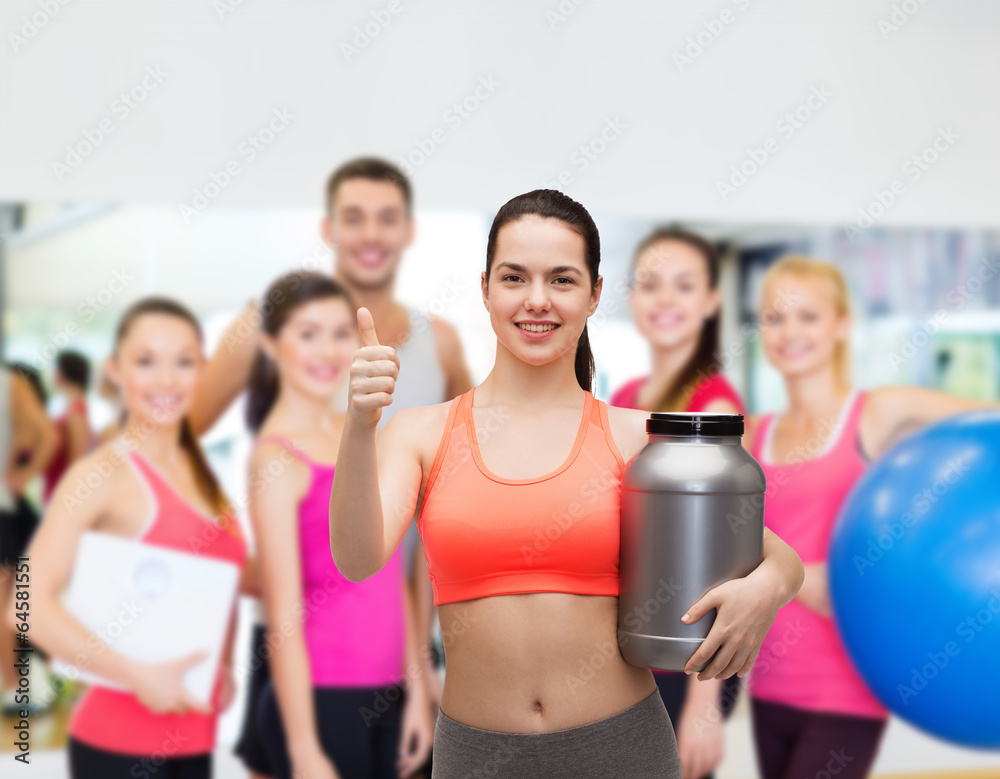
536, 328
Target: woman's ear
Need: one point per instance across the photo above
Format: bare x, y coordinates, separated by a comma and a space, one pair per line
112, 372
843, 330
595, 295
485, 289
714, 301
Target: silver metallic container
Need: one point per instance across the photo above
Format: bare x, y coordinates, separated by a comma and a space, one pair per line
692, 518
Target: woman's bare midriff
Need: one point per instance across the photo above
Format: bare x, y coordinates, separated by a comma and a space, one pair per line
536, 662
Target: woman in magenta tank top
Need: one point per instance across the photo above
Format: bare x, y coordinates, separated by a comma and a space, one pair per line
339, 703
807, 697
150, 483
674, 296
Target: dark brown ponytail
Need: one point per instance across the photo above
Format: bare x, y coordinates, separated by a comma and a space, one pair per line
552, 204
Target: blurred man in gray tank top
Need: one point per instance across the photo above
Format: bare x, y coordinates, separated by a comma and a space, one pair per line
368, 223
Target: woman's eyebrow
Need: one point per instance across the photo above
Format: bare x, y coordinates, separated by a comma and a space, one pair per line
558, 269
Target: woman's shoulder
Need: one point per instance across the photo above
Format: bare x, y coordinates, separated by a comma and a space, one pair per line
98, 479
628, 430
712, 388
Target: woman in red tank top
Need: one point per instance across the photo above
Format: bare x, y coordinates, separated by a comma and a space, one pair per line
75, 436
525, 566
150, 483
807, 698
674, 296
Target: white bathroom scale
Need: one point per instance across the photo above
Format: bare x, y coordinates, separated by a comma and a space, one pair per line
151, 604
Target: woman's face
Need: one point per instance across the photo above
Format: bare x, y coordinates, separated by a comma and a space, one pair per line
314, 348
157, 367
672, 297
539, 293
800, 324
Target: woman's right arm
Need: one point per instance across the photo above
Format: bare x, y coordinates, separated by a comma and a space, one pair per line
274, 516
52, 555
375, 489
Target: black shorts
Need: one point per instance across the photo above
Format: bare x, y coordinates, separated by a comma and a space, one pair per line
359, 730
250, 747
86, 762
16, 529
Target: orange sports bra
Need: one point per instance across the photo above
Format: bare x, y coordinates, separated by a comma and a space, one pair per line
485, 535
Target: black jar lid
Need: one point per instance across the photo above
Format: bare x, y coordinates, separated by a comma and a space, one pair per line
694, 424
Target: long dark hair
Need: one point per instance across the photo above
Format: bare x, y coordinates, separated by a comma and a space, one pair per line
208, 485
281, 300
705, 360
552, 204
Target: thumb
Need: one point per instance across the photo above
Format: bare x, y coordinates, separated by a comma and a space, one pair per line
193, 659
366, 327
195, 704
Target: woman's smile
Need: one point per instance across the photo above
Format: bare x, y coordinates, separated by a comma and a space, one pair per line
537, 331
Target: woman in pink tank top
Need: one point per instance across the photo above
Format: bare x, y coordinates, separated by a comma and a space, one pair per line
152, 483
807, 697
339, 703
675, 301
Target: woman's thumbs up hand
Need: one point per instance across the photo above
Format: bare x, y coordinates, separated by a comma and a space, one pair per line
373, 374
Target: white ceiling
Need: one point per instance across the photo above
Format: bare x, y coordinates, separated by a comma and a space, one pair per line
558, 84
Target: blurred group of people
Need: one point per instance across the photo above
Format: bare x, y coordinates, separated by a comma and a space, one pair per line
326, 649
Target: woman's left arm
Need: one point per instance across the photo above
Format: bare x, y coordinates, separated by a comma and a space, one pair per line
746, 609
892, 413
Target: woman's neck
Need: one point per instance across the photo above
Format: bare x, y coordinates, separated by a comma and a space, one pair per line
815, 394
515, 383
160, 443
295, 410
669, 361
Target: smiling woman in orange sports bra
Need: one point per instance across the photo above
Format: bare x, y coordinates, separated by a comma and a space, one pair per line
519, 483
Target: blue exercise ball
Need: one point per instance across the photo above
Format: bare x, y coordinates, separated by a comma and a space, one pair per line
914, 569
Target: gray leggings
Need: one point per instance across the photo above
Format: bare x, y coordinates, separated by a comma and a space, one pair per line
638, 743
